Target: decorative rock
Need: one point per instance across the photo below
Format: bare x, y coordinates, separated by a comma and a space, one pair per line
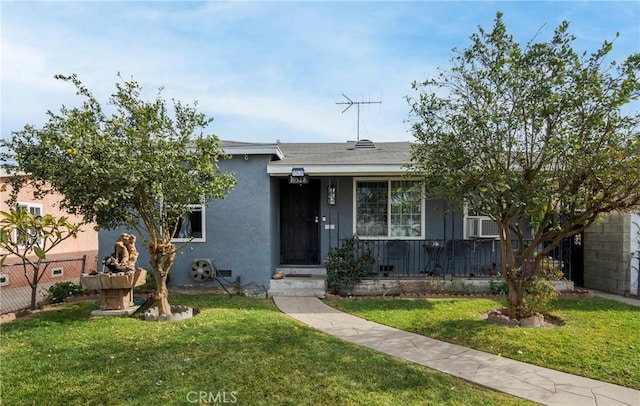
178, 313
498, 316
533, 321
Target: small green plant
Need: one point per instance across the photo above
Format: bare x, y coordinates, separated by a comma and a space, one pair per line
149, 285
498, 287
552, 274
541, 292
347, 264
434, 285
539, 295
59, 292
459, 287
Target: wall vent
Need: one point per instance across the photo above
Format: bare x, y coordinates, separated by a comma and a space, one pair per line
364, 144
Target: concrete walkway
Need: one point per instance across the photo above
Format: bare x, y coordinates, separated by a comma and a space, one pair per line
527, 381
623, 299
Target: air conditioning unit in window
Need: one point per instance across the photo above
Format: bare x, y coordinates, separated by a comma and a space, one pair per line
482, 227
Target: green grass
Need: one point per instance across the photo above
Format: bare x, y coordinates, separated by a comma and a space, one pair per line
237, 349
600, 340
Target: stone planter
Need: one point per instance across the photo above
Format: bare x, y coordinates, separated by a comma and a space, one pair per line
116, 290
105, 280
91, 282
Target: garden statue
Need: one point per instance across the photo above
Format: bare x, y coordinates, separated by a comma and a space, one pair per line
124, 256
117, 283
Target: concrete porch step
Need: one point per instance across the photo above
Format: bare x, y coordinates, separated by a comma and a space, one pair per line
299, 282
292, 270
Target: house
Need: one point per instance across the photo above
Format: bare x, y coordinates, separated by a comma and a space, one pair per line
65, 261
295, 201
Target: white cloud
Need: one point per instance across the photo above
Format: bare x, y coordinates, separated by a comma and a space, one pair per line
265, 70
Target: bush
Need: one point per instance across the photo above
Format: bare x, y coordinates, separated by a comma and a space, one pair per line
541, 292
539, 295
59, 292
460, 288
434, 285
347, 264
497, 287
149, 285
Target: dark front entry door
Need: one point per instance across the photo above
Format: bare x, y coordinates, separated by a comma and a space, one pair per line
299, 223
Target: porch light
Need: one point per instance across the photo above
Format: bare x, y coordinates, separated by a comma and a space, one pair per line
331, 195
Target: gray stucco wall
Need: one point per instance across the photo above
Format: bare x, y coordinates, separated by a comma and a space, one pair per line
607, 249
239, 230
240, 226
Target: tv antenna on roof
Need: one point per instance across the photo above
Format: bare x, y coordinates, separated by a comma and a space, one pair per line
350, 103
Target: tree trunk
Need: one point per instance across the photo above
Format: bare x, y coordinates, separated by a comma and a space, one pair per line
162, 257
515, 297
162, 294
34, 289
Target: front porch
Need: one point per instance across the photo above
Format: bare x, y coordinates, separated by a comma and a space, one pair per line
447, 259
401, 266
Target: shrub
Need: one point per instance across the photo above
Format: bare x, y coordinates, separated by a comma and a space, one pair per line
498, 287
149, 285
59, 292
434, 285
539, 295
347, 264
459, 287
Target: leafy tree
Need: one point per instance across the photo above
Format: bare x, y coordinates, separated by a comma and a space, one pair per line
134, 163
30, 238
530, 136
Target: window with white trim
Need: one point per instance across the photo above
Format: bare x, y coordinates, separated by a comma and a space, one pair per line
35, 209
191, 227
390, 208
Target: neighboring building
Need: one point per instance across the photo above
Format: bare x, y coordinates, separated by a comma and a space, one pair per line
65, 260
295, 201
612, 254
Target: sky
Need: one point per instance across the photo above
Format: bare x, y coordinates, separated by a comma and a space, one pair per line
270, 71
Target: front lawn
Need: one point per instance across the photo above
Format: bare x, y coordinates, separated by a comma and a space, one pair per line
236, 350
601, 338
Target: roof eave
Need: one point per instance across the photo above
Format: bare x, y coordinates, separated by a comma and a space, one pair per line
342, 170
254, 150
